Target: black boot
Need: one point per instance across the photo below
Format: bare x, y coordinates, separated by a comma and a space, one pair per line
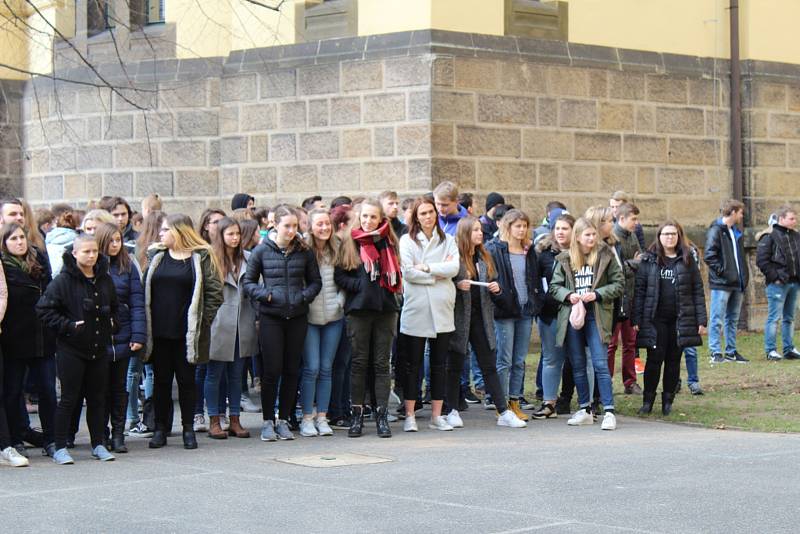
189, 439
648, 398
118, 443
666, 402
382, 422
356, 422
159, 439
563, 405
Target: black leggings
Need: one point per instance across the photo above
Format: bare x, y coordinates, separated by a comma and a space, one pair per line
415, 353
117, 397
487, 361
666, 352
282, 342
169, 360
79, 376
5, 436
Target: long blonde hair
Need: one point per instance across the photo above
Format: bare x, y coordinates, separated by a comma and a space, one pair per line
188, 240
597, 214
578, 259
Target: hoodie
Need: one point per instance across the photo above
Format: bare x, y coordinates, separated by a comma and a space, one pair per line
449, 223
240, 200
57, 241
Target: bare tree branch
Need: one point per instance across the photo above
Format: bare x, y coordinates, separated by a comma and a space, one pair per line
261, 4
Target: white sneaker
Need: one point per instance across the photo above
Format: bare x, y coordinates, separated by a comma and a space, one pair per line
510, 419
609, 422
581, 417
439, 423
200, 423
323, 428
10, 456
410, 424
454, 420
224, 422
307, 428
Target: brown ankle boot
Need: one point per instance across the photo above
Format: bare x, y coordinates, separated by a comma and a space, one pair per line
236, 429
215, 430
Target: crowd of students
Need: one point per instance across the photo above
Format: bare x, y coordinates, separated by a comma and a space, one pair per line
325, 306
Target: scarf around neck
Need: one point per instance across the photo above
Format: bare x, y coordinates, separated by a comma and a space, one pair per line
378, 256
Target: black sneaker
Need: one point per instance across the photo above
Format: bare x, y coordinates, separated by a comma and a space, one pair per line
462, 405
791, 354
341, 422
718, 358
736, 357
563, 406
488, 404
470, 397
526, 404
547, 411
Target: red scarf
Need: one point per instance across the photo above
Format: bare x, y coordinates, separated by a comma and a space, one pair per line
378, 256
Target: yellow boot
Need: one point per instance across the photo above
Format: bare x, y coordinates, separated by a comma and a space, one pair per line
513, 405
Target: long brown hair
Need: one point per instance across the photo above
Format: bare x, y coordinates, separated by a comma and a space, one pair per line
104, 234
348, 257
230, 263
151, 228
29, 260
202, 228
681, 246
327, 253
467, 250
415, 227
297, 242
31, 228
249, 228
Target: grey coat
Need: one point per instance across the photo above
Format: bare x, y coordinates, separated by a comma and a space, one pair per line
223, 330
460, 338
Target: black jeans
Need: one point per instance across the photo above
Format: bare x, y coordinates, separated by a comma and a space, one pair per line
13, 385
371, 338
117, 396
5, 436
282, 342
78, 377
567, 381
412, 362
169, 361
487, 361
666, 352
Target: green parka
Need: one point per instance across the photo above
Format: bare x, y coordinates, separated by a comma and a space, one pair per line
608, 284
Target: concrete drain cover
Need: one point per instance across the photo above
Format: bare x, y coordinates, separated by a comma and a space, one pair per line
334, 460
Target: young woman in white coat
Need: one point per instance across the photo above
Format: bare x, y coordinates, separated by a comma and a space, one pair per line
429, 260
325, 327
233, 333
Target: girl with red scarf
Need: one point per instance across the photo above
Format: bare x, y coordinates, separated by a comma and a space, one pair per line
368, 270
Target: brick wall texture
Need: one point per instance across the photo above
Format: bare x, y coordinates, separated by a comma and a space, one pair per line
536, 128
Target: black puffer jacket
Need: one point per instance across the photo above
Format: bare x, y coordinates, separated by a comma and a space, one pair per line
23, 334
364, 295
721, 261
72, 297
778, 254
546, 263
289, 281
508, 304
691, 302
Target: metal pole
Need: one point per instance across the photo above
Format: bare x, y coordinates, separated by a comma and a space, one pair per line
736, 104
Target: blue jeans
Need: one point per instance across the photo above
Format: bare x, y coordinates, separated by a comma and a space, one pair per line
477, 376
690, 355
218, 376
576, 343
340, 387
781, 301
552, 359
513, 341
318, 356
725, 307
135, 369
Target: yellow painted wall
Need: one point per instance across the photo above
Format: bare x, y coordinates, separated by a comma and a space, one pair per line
254, 26
387, 16
473, 16
769, 30
203, 29
692, 27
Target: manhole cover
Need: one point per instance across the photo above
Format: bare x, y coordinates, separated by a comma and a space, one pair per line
334, 460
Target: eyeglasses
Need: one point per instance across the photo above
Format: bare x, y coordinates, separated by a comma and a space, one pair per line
669, 234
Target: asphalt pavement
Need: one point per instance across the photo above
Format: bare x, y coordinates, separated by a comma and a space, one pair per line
644, 477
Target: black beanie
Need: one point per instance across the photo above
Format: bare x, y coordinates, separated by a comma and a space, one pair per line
493, 200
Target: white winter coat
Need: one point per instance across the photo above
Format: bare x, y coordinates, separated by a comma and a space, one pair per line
429, 298
328, 306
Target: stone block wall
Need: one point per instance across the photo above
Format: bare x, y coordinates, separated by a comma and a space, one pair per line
11, 181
